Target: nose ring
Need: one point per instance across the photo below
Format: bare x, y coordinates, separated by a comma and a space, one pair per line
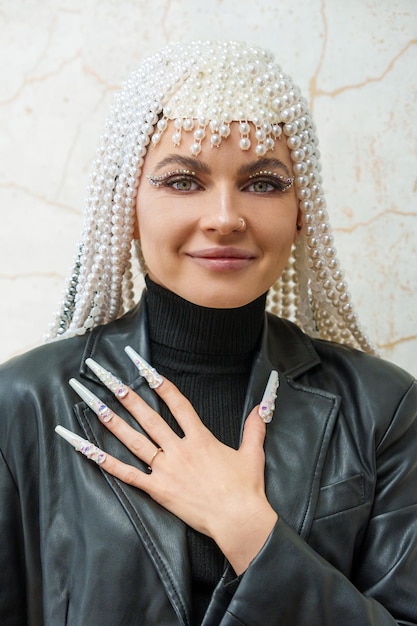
242, 226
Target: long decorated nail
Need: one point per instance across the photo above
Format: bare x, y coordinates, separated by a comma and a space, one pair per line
82, 445
99, 408
267, 406
149, 373
113, 383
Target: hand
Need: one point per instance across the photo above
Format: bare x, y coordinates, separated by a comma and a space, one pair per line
217, 490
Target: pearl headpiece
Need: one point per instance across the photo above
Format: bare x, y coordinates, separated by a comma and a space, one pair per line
203, 86
229, 84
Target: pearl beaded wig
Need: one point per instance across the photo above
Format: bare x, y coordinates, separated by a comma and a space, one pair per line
203, 87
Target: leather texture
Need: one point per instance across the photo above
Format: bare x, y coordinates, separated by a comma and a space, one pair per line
80, 548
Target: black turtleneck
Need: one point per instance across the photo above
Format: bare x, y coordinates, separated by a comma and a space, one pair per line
208, 354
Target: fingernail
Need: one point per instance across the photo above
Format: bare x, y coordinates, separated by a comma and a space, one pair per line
267, 406
112, 382
82, 445
99, 408
149, 373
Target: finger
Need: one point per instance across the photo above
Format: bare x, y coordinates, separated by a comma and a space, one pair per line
127, 473
154, 455
137, 443
180, 407
142, 447
255, 429
155, 426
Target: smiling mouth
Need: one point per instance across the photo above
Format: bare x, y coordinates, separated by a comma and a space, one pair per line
224, 259
222, 253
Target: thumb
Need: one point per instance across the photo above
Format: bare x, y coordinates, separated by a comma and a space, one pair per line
254, 431
255, 425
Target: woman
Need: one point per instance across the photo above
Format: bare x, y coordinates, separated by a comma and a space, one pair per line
208, 504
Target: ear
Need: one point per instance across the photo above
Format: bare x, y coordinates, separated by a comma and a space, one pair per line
298, 225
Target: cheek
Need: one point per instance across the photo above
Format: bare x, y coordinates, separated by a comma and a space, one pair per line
151, 225
153, 239
148, 234
164, 220
277, 234
160, 238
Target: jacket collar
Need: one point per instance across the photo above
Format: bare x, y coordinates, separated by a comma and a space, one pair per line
295, 446
106, 345
295, 356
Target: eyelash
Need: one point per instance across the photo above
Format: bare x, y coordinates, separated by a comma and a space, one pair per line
279, 182
169, 178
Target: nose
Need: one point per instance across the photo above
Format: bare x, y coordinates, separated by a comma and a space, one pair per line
223, 213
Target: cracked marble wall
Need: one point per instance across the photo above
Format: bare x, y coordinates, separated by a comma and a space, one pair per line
62, 61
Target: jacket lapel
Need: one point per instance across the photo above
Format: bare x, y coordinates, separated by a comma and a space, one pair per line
298, 436
295, 448
162, 534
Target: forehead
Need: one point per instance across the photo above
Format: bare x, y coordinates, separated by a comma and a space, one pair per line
228, 154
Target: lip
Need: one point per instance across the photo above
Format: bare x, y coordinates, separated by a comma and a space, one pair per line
222, 258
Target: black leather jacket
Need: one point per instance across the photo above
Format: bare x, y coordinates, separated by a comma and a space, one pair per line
80, 548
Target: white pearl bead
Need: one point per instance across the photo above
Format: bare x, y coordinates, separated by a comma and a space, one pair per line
162, 124
244, 128
215, 140
188, 124
199, 134
244, 143
269, 143
224, 130
195, 149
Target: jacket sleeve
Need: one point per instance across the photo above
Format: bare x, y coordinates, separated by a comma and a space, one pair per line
289, 584
20, 570
12, 579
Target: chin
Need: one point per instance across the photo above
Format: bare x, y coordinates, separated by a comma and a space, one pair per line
218, 301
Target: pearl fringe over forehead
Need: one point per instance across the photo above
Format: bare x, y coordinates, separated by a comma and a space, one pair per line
230, 83
204, 87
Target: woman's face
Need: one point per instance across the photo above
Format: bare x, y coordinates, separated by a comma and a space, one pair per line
189, 220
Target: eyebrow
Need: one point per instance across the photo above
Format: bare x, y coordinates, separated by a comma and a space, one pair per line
192, 163
187, 162
267, 163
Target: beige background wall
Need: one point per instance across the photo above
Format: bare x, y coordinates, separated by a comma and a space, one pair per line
356, 60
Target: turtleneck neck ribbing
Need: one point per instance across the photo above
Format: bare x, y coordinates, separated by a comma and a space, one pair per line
180, 324
208, 354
